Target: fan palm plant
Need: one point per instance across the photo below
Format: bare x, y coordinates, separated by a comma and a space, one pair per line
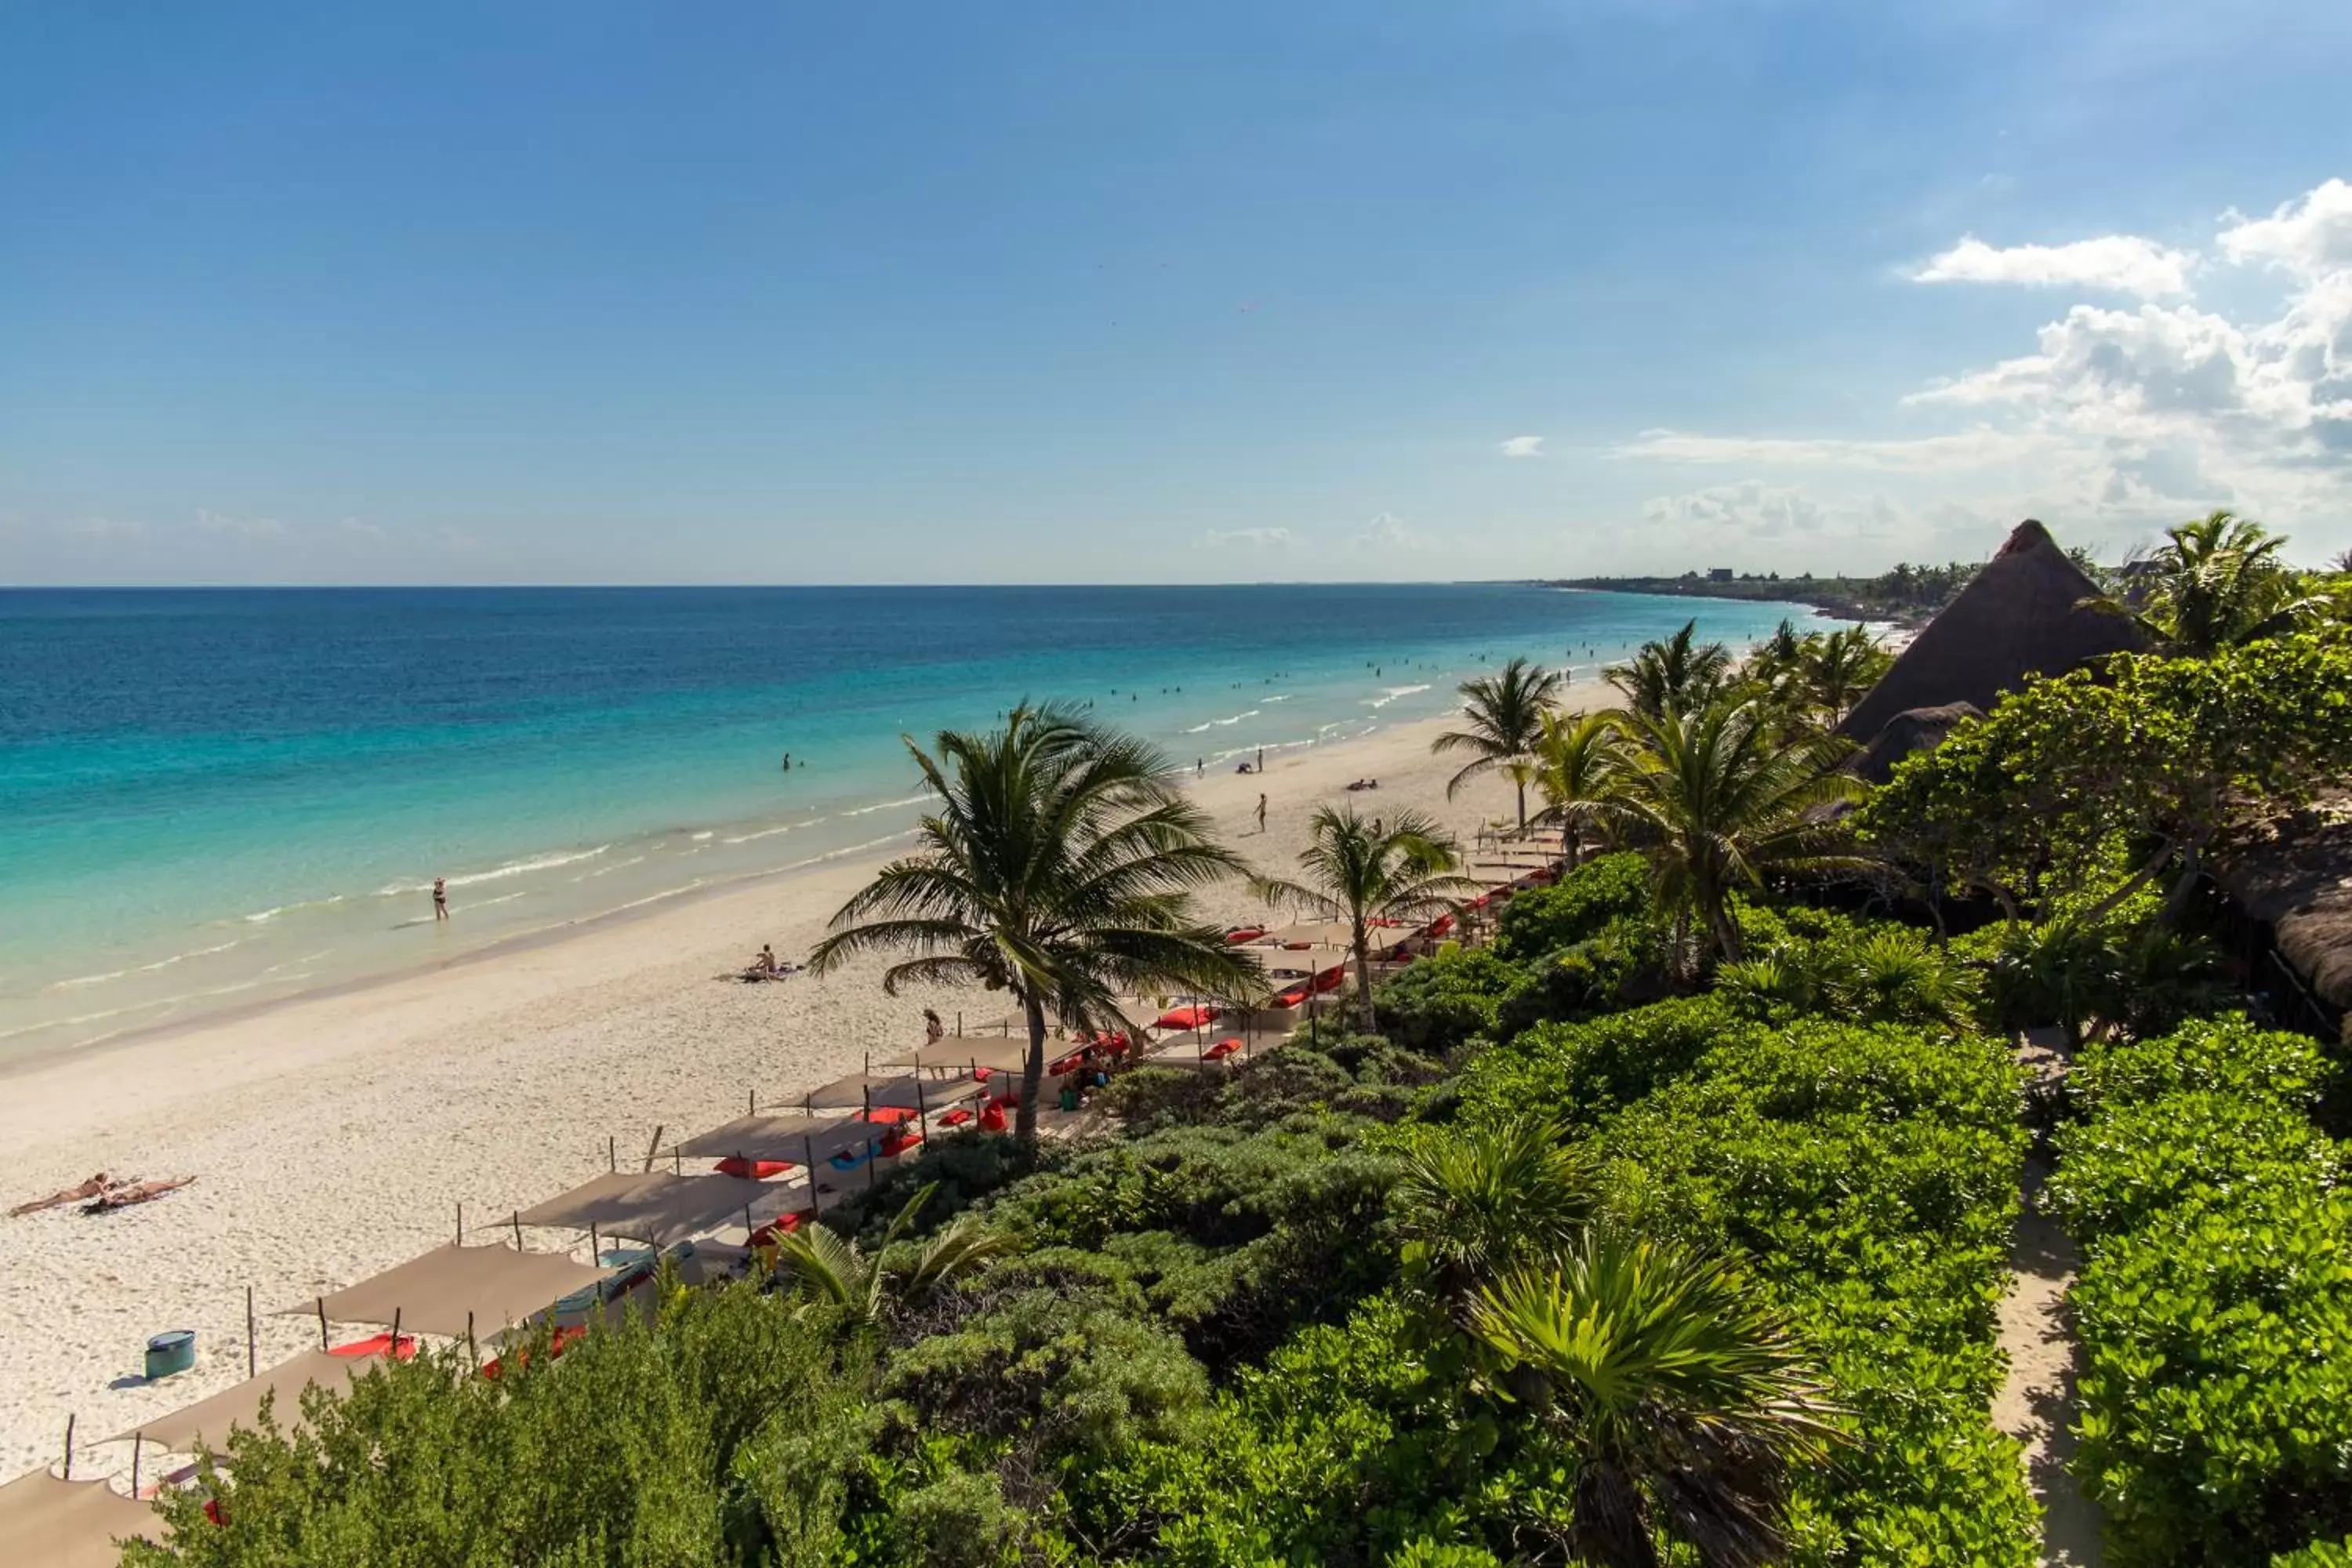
2217, 582
1364, 873
1474, 1204
1716, 798
1057, 864
1689, 1404
1838, 670
1502, 718
1576, 767
1674, 676
822, 1266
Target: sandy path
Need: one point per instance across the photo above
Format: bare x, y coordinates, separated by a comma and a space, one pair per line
2036, 1404
336, 1135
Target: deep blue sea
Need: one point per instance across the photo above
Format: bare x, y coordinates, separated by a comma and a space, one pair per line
213, 797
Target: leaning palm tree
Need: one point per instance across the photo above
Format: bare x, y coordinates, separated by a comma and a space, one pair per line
1716, 798
1365, 873
1057, 864
2217, 582
1690, 1405
1472, 1206
821, 1265
1576, 767
1502, 721
1675, 675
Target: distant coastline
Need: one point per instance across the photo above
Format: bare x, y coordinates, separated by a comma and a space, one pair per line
1839, 598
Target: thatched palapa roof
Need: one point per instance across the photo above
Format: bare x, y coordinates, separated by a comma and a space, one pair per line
2022, 614
1912, 730
2295, 874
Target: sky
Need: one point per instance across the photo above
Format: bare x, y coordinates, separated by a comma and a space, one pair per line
604, 291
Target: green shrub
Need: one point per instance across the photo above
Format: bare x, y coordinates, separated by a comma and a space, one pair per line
644, 1445
1437, 1005
2215, 1301
2318, 1554
1586, 1071
1621, 965
1598, 894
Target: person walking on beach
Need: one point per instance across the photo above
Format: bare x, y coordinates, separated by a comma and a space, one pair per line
440, 898
932, 1029
1196, 767
1261, 812
1261, 759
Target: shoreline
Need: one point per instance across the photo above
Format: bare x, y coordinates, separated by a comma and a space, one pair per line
335, 1134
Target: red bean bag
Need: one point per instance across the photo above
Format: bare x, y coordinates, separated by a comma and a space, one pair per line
1247, 933
752, 1170
556, 1347
992, 1120
889, 1115
959, 1117
1186, 1017
783, 1224
376, 1346
901, 1141
1220, 1050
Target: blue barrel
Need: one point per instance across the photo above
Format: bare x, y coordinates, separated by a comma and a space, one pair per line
168, 1353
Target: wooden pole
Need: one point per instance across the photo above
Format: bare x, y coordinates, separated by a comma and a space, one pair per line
69, 1427
596, 1249
808, 1147
653, 1149
676, 1161
473, 1352
251, 1351
518, 1224
138, 1443
751, 1104
461, 1225
611, 1154
395, 1352
322, 1324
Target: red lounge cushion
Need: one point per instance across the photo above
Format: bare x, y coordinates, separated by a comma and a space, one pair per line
1220, 1050
889, 1116
377, 1345
753, 1170
899, 1143
1185, 1018
959, 1117
1247, 933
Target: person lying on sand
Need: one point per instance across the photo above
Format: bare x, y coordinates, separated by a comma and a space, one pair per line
88, 1189
123, 1197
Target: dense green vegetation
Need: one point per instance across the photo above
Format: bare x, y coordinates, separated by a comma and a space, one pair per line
1667, 1226
2216, 1304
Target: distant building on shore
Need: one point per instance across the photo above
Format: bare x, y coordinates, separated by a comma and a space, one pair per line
1718, 573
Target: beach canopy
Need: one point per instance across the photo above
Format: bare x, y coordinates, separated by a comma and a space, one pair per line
209, 1420
1321, 933
998, 1054
452, 1289
2022, 614
70, 1524
859, 1091
770, 1138
655, 1207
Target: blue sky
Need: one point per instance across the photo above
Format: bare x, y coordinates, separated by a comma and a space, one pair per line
779, 292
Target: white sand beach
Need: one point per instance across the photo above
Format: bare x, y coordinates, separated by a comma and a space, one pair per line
332, 1136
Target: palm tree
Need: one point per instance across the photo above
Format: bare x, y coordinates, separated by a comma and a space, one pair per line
1057, 864
1473, 1205
1403, 871
1672, 676
821, 1265
1838, 670
2217, 582
1503, 719
1576, 767
1689, 1403
1716, 798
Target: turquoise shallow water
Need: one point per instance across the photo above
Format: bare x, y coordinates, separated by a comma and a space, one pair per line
209, 798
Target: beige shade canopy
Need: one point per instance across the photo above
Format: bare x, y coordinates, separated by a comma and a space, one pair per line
453, 1288
967, 1051
859, 1091
775, 1138
656, 1207
70, 1524
209, 1420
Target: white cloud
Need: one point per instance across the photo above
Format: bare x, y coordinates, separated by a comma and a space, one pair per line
102, 527
2120, 419
360, 529
1388, 531
2124, 263
2310, 239
1973, 448
1750, 506
1522, 447
1248, 538
240, 527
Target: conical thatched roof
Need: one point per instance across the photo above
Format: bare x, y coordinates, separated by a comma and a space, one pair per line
2021, 616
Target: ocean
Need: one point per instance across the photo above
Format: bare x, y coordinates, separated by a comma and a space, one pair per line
210, 798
